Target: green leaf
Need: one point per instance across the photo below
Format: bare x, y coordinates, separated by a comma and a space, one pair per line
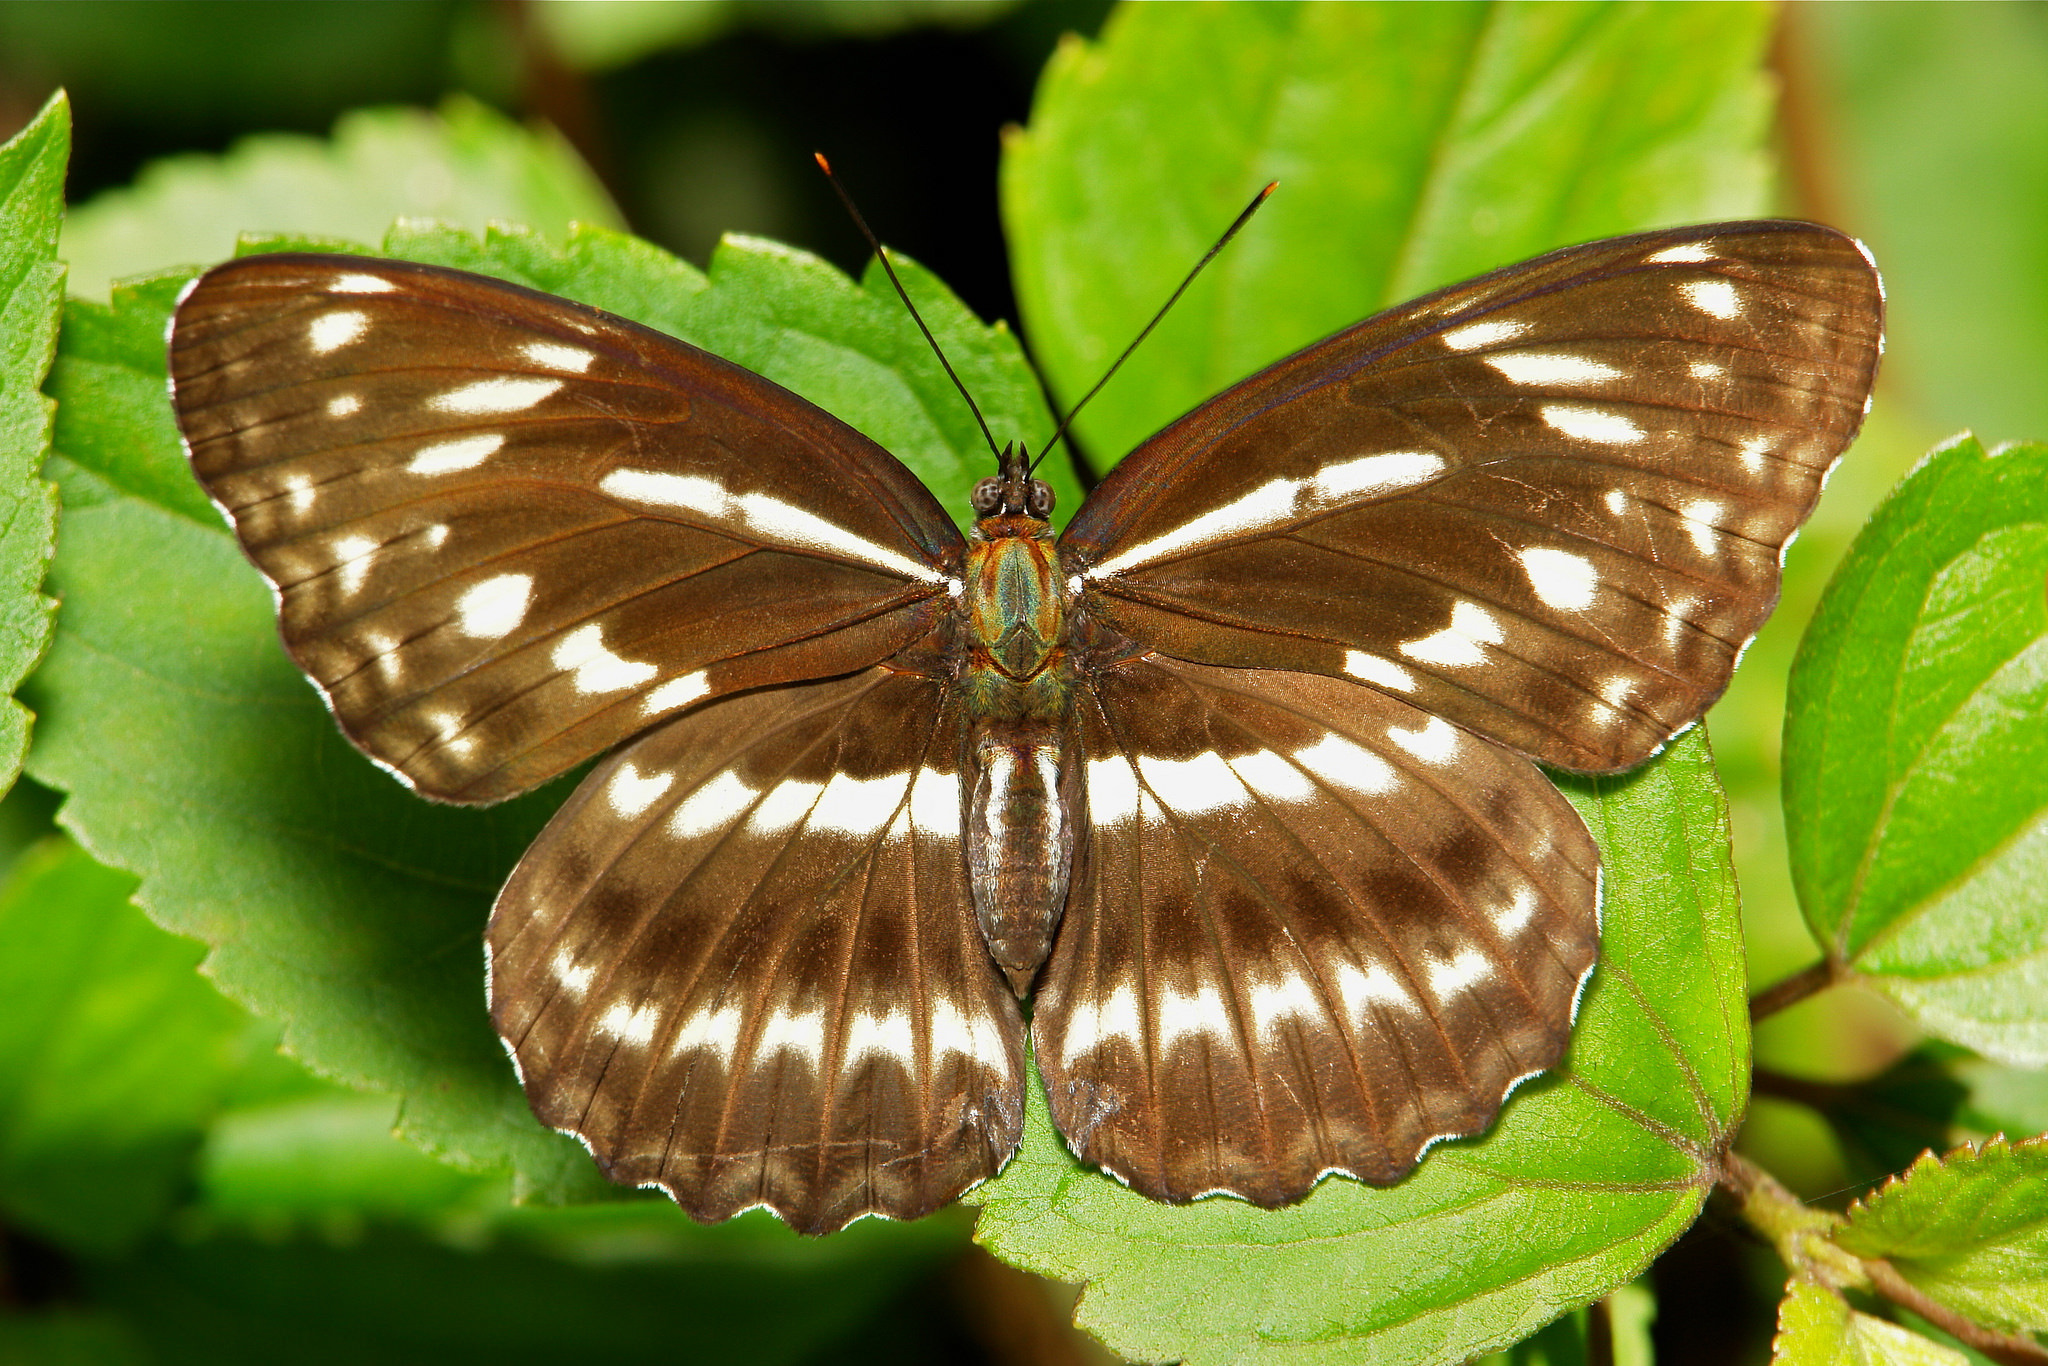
1569, 1341
114, 1053
1937, 1096
1916, 801
1970, 1228
466, 165
1589, 1174
1415, 145
31, 291
196, 757
1816, 1327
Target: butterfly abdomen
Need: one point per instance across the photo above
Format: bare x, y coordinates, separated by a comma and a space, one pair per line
1022, 795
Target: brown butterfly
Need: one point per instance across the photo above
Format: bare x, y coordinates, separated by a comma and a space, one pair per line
1237, 773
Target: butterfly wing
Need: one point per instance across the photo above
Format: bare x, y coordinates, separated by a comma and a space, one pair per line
741, 963
1317, 929
1548, 504
507, 531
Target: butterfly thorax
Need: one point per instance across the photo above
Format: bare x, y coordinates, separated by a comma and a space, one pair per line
1022, 799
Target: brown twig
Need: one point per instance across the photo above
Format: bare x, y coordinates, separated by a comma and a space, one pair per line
2007, 1349
1792, 990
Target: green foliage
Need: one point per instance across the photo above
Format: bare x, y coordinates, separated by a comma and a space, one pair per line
1415, 145
114, 1054
1970, 1229
31, 284
1816, 1327
1591, 1171
466, 166
1915, 796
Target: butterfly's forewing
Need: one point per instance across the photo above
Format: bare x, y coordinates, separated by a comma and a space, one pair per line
1548, 504
741, 962
507, 531
1317, 929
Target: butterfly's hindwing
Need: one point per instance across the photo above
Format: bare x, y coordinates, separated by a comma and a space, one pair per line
1316, 930
507, 532
741, 963
1548, 504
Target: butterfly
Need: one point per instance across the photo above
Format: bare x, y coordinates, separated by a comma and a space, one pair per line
1234, 780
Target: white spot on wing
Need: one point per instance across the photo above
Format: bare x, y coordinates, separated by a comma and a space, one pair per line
1374, 669
344, 405
1343, 763
1291, 998
353, 556
1717, 297
1700, 515
711, 807
632, 1025
1435, 743
935, 805
1376, 985
355, 283
1448, 979
1193, 786
766, 518
1472, 336
1112, 791
1590, 424
1279, 502
504, 394
631, 792
858, 806
556, 356
1562, 579
459, 453
1686, 254
573, 978
582, 653
716, 1030
1272, 777
783, 805
495, 606
676, 692
1551, 367
889, 1035
791, 1032
1458, 644
972, 1035
299, 493
332, 331
1511, 919
1617, 501
1753, 450
1199, 1012
1711, 371
1093, 1023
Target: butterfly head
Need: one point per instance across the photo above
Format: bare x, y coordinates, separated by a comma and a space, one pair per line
1012, 492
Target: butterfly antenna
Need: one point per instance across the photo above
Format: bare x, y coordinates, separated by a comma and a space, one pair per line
1221, 242
904, 295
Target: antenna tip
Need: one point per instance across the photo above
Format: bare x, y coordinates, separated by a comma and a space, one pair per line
823, 164
1271, 186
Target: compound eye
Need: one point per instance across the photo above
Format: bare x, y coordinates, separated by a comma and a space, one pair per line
987, 496
1039, 499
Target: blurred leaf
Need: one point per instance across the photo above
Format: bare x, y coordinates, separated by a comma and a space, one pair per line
114, 1053
1937, 1096
1816, 1327
467, 165
400, 1299
67, 1337
1932, 119
597, 35
1915, 797
1414, 144
197, 757
31, 293
1589, 1174
1970, 1228
1568, 1341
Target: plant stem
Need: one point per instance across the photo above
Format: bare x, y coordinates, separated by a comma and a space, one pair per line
1792, 990
1804, 1239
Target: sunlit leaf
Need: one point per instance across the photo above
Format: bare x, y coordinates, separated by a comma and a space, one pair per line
1916, 800
1816, 1327
1970, 1228
31, 292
